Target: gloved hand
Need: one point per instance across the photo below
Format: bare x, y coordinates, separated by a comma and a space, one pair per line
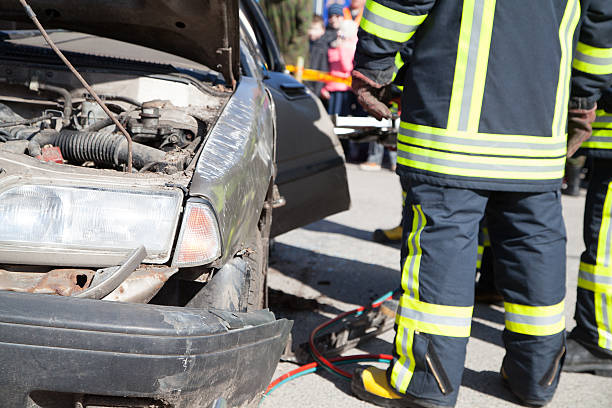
579, 128
373, 97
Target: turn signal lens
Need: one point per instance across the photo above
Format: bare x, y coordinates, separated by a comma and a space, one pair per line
199, 242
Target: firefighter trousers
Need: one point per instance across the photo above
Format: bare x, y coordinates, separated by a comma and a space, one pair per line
439, 254
594, 298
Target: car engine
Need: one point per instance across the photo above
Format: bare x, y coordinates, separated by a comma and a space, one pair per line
58, 123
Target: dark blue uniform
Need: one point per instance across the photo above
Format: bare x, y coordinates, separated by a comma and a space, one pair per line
484, 124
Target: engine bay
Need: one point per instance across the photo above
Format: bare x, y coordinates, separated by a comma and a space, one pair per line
45, 114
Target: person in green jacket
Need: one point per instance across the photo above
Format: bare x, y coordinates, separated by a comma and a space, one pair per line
290, 19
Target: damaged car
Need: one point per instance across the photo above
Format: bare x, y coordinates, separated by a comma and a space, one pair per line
133, 247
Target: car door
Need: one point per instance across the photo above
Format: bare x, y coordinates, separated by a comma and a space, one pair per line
311, 173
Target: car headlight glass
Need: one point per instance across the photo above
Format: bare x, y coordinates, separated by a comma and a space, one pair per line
199, 242
90, 218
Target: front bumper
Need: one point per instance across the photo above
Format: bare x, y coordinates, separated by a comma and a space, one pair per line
69, 350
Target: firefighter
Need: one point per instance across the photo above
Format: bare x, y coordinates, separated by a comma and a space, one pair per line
483, 124
589, 347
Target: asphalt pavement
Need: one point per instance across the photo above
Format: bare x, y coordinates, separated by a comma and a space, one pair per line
335, 262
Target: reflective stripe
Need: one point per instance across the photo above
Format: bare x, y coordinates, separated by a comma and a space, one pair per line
535, 158
486, 240
479, 257
482, 167
594, 279
601, 139
403, 368
605, 232
472, 63
434, 319
389, 24
566, 32
442, 320
593, 60
535, 320
603, 313
481, 143
399, 62
603, 119
480, 162
412, 264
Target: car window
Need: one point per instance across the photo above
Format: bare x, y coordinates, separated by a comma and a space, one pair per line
257, 51
263, 33
251, 62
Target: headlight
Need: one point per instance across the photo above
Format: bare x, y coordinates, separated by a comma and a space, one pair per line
199, 242
85, 226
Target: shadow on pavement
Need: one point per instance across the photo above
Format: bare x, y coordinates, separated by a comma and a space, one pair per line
336, 228
342, 279
485, 312
487, 382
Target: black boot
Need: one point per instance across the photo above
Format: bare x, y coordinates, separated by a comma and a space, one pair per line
581, 358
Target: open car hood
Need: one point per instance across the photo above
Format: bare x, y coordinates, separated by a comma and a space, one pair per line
204, 31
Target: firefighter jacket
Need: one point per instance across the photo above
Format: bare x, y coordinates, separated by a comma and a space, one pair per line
487, 88
600, 143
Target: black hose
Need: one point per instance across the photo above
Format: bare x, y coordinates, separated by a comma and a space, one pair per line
25, 121
67, 99
101, 148
121, 99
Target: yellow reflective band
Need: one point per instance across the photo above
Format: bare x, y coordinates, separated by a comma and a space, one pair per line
489, 174
385, 33
595, 278
481, 166
442, 320
463, 48
481, 143
389, 24
535, 310
601, 139
603, 120
487, 240
399, 62
593, 60
535, 158
485, 137
594, 51
471, 65
404, 366
604, 242
592, 68
535, 320
603, 318
568, 25
479, 257
394, 15
482, 64
598, 143
482, 161
412, 264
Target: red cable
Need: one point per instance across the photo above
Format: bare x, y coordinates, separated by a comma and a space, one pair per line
314, 364
318, 356
322, 360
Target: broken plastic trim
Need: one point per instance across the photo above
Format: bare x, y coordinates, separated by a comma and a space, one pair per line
113, 277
